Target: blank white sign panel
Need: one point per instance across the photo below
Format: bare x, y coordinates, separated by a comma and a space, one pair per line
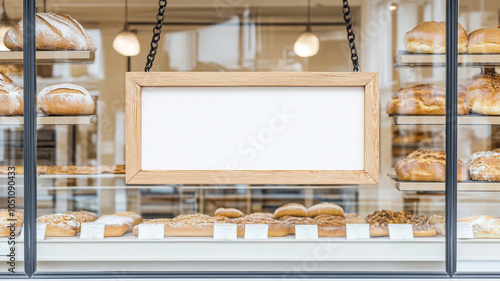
252, 128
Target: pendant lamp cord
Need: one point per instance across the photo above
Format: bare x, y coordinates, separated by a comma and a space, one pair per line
346, 9
162, 4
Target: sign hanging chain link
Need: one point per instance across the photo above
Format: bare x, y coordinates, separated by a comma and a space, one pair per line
160, 17
346, 9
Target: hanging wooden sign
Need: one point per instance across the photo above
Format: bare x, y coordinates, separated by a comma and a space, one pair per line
252, 128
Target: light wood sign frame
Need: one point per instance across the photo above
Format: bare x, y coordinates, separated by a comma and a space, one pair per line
135, 174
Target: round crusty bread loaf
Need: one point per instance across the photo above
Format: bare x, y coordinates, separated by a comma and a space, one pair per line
484, 41
484, 227
229, 212
53, 32
325, 209
65, 99
427, 165
430, 37
424, 99
483, 94
290, 209
484, 166
11, 100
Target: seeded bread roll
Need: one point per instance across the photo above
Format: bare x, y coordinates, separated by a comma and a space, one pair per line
484, 41
325, 209
430, 37
291, 209
483, 94
66, 99
229, 212
427, 165
53, 32
424, 99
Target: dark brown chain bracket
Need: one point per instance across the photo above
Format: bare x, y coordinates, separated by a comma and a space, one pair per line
346, 9
155, 41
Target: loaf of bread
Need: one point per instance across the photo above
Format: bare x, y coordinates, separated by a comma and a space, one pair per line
483, 94
9, 218
136, 218
81, 217
59, 225
485, 166
291, 222
290, 209
430, 37
11, 97
229, 212
379, 223
484, 41
53, 32
115, 226
424, 99
484, 227
427, 165
330, 226
65, 99
325, 209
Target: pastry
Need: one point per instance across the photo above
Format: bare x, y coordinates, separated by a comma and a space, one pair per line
430, 37
424, 99
485, 166
115, 226
53, 32
484, 227
427, 165
229, 212
483, 94
65, 99
9, 218
291, 209
137, 219
59, 225
325, 208
81, 217
484, 41
291, 222
330, 226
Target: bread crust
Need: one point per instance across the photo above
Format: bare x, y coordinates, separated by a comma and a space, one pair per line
65, 99
290, 209
229, 212
430, 37
484, 41
424, 99
325, 208
53, 32
427, 165
483, 94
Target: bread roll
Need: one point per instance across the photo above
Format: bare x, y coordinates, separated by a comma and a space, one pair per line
115, 226
330, 226
291, 209
484, 41
427, 165
422, 226
66, 99
53, 32
424, 99
430, 37
291, 222
8, 219
484, 227
229, 212
325, 209
59, 225
485, 166
11, 100
483, 94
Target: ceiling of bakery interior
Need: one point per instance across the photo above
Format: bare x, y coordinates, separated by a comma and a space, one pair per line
281, 11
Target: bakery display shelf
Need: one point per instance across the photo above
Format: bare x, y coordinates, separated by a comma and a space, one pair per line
49, 57
473, 119
51, 120
71, 176
477, 186
405, 59
196, 187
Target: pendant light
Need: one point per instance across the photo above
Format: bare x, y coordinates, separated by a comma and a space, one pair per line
5, 25
126, 42
307, 45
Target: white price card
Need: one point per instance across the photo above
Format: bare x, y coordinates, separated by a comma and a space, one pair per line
40, 231
465, 230
401, 231
225, 231
4, 248
358, 231
256, 231
306, 232
149, 231
92, 230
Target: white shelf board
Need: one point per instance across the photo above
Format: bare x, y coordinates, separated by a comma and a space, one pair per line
49, 57
405, 59
472, 119
478, 186
51, 120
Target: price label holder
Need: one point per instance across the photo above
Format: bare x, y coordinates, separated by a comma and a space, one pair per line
306, 232
401, 231
225, 231
149, 231
256, 231
358, 231
465, 230
92, 231
40, 231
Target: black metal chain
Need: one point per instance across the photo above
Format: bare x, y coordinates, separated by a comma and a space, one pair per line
162, 4
346, 9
